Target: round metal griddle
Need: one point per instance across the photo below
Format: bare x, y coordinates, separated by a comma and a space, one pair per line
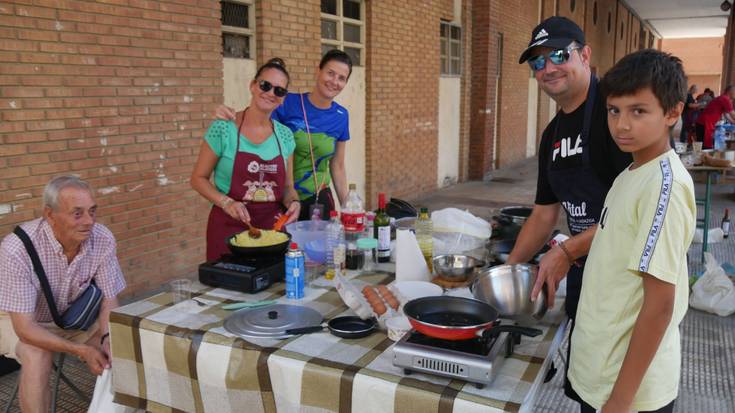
271, 321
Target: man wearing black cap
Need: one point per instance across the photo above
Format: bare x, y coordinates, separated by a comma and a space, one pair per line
578, 161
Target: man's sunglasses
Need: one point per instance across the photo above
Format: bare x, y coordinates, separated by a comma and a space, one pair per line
265, 86
556, 57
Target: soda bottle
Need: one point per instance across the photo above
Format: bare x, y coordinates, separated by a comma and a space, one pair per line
294, 272
335, 238
725, 224
424, 235
353, 215
382, 230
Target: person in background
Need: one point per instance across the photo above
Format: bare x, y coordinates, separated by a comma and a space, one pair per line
626, 347
252, 164
705, 97
688, 118
74, 251
578, 161
711, 114
321, 129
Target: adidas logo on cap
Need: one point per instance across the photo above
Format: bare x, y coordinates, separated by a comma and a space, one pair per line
541, 34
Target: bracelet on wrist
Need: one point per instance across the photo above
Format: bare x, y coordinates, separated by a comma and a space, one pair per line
104, 336
570, 258
226, 200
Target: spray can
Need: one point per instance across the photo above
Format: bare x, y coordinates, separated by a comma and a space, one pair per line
294, 272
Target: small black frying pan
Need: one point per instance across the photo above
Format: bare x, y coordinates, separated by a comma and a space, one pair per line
344, 327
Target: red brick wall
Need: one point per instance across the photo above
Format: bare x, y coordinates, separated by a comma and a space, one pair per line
402, 88
466, 93
291, 30
482, 96
517, 20
564, 8
118, 92
622, 31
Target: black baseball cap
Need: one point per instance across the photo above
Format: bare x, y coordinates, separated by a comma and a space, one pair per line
555, 32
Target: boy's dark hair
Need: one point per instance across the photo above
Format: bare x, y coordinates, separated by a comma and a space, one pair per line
662, 72
338, 55
274, 63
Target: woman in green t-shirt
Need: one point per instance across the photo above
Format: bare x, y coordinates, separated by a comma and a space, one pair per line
251, 160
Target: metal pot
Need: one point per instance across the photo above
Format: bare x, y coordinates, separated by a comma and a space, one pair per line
457, 318
517, 214
507, 288
499, 249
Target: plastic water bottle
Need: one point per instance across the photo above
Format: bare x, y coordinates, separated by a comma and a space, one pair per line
353, 215
294, 272
335, 239
424, 235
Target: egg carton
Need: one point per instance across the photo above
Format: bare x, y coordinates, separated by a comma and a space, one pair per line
351, 292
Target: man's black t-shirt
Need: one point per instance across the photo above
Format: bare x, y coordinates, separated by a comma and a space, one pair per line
564, 150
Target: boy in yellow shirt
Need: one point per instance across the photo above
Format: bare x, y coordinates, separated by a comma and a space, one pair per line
626, 351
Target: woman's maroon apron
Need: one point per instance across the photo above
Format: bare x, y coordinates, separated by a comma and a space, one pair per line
255, 182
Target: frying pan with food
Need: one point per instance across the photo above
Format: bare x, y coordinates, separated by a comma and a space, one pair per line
253, 252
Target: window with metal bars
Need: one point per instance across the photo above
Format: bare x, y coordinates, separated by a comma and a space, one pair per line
238, 34
343, 27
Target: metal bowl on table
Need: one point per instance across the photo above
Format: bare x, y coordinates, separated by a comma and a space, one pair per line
456, 267
507, 288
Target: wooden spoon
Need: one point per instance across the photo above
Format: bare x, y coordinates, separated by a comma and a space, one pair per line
253, 232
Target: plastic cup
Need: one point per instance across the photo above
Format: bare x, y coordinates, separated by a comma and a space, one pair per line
180, 290
697, 146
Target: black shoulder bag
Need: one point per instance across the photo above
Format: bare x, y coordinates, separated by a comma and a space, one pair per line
82, 313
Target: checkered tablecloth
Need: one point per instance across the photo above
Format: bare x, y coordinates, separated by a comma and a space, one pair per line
169, 358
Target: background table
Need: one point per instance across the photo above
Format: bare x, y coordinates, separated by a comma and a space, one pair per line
706, 201
179, 357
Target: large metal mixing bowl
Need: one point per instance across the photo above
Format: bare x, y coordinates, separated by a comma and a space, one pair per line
456, 267
507, 288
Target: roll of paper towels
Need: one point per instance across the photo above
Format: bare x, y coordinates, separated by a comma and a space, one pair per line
410, 263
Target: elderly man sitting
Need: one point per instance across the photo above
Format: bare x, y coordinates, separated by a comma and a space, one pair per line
74, 252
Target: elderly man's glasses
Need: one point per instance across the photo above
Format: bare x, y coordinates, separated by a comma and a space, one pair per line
265, 86
556, 57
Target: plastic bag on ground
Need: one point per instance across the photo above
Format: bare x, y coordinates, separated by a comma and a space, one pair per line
102, 398
714, 292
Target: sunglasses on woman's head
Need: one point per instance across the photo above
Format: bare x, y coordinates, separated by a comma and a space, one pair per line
265, 86
556, 57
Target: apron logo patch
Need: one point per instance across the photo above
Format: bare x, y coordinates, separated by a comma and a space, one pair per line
253, 167
564, 147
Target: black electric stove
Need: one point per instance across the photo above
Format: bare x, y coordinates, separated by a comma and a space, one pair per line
248, 275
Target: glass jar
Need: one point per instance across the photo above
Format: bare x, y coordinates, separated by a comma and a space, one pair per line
368, 247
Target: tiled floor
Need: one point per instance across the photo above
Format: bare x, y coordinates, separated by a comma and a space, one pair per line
708, 341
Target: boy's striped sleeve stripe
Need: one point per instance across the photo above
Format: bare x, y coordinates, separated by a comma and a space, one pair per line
658, 217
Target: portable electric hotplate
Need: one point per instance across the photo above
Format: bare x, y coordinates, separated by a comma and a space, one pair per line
248, 275
476, 360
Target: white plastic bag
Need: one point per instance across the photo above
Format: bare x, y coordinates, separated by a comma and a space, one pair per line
456, 220
459, 232
714, 292
102, 398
